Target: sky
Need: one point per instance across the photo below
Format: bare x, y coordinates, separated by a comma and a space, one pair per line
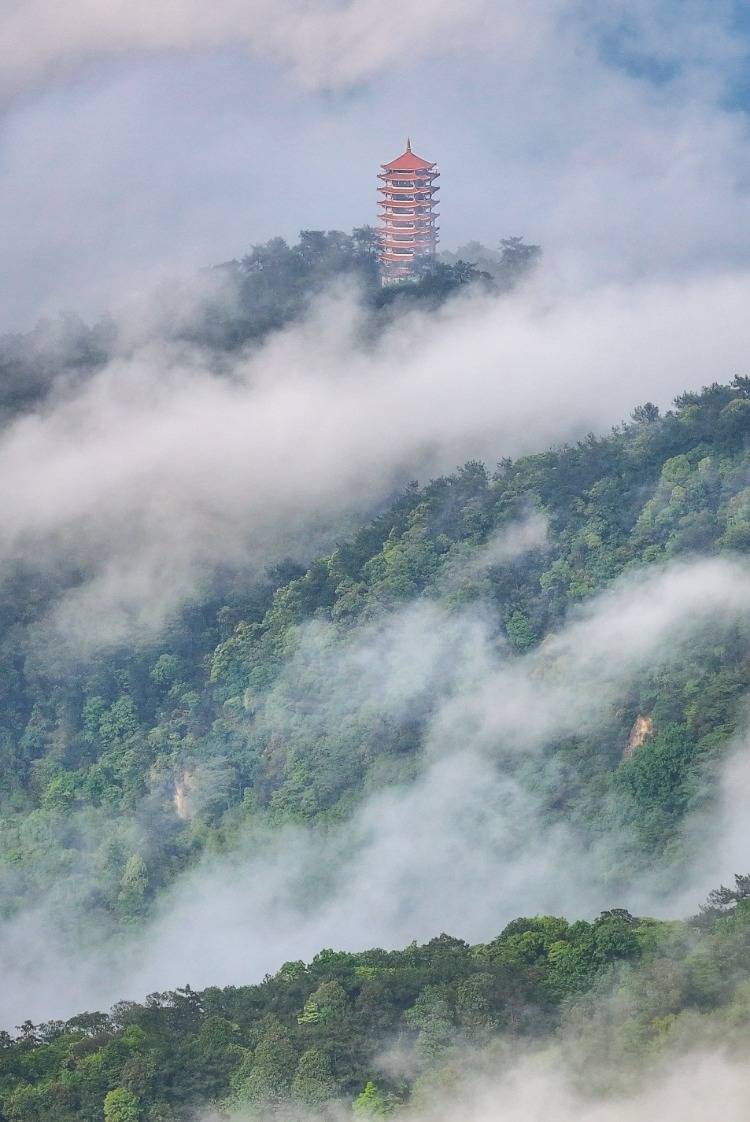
136, 141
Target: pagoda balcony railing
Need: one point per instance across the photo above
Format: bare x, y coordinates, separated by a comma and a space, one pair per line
411, 186
417, 247
400, 250
415, 196
423, 231
404, 239
402, 185
426, 244
409, 200
407, 220
386, 238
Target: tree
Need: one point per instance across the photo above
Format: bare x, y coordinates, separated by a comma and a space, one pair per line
327, 1003
314, 1082
474, 1006
723, 901
372, 1103
121, 1106
431, 1015
516, 260
741, 383
645, 414
365, 239
266, 1079
519, 631
135, 876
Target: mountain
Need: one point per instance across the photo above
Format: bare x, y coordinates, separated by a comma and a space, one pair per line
379, 1030
517, 681
119, 772
241, 302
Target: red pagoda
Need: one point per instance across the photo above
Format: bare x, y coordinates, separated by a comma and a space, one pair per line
407, 218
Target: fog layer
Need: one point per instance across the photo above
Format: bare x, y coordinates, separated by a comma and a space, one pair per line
465, 847
157, 471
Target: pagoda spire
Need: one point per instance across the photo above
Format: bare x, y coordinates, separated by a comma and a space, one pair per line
408, 144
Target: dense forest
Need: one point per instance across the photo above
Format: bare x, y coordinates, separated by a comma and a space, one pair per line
117, 773
379, 1029
255, 710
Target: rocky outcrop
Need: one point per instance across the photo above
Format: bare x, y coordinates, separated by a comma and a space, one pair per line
643, 726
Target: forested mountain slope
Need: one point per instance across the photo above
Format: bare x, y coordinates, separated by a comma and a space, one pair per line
378, 1030
241, 302
116, 774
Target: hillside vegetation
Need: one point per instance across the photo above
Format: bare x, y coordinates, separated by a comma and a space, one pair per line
115, 775
293, 696
372, 1031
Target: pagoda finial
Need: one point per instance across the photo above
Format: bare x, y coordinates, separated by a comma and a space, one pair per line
408, 144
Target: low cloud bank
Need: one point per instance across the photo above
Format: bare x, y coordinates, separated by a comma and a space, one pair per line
159, 471
539, 1089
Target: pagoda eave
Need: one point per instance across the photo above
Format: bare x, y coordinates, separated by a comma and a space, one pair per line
410, 168
423, 187
422, 177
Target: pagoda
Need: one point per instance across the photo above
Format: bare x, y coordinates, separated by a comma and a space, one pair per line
407, 216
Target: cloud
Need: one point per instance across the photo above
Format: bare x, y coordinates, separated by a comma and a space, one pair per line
159, 470
719, 834
325, 43
328, 43
522, 1082
507, 544
464, 847
538, 1088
